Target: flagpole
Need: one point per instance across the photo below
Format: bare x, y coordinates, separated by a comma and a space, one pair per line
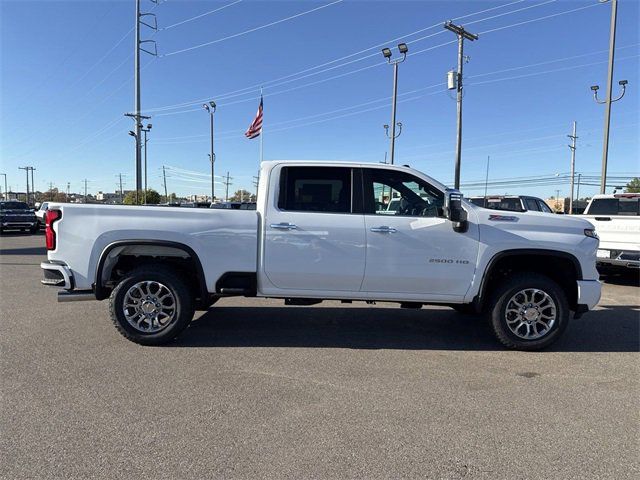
261, 130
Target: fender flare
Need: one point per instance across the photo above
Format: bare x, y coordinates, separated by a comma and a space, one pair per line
481, 295
101, 292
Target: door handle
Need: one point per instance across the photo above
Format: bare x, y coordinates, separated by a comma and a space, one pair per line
384, 229
283, 226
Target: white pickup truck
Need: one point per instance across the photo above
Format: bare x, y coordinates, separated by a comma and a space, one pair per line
318, 234
616, 218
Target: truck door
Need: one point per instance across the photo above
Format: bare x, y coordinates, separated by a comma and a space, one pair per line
313, 238
413, 249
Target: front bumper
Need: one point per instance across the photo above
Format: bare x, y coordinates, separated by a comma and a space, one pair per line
589, 292
11, 224
56, 275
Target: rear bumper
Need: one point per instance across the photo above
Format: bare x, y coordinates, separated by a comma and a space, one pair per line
589, 292
56, 275
618, 258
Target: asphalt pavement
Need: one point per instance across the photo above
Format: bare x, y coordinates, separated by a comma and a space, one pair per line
254, 389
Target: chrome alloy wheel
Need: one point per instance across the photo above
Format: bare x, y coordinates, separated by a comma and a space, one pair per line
149, 306
530, 314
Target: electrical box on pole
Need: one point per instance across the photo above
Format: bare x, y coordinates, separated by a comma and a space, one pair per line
452, 80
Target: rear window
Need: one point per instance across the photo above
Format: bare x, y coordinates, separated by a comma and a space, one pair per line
14, 206
510, 204
614, 206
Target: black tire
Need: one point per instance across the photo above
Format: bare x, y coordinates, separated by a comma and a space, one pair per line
182, 299
506, 291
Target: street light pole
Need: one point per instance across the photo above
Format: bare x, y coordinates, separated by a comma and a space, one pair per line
386, 52
6, 192
608, 100
211, 108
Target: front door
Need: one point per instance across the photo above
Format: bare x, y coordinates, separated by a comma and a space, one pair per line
411, 247
313, 240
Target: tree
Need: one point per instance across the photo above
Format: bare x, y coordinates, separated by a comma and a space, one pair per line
153, 197
241, 196
633, 186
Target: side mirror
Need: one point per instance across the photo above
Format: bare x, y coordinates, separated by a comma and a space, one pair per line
453, 210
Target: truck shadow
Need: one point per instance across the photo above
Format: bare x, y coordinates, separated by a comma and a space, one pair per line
612, 329
24, 251
629, 278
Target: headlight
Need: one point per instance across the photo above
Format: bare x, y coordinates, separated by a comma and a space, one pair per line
590, 232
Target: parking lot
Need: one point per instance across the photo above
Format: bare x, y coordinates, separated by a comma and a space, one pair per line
254, 389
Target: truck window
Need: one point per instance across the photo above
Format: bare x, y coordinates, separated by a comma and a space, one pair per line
315, 189
531, 204
544, 207
614, 206
389, 192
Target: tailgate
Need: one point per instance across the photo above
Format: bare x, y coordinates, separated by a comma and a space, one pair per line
617, 232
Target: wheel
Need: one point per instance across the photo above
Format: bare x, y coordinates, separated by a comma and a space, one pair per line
528, 311
151, 305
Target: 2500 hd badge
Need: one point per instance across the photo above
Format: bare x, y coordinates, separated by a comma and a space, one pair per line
449, 260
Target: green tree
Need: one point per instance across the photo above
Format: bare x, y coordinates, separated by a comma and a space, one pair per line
633, 186
241, 196
153, 197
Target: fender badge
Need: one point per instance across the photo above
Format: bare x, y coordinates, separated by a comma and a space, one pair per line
503, 218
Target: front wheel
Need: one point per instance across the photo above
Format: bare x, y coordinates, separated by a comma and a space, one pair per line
151, 305
528, 311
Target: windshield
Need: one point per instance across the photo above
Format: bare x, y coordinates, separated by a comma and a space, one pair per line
14, 206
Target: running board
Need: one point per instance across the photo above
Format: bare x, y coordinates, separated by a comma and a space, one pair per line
76, 296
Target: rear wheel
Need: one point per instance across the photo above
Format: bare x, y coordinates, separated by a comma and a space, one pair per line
151, 306
528, 311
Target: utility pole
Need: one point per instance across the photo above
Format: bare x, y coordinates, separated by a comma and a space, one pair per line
33, 185
386, 52
227, 182
573, 138
51, 191
68, 190
145, 130
121, 194
557, 199
211, 109
6, 192
164, 178
486, 183
608, 100
26, 169
136, 66
462, 34
578, 192
85, 190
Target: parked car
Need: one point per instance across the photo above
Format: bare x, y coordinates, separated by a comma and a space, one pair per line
316, 235
616, 218
512, 203
15, 215
40, 213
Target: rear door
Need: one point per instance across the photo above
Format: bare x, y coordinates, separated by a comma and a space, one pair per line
314, 230
415, 249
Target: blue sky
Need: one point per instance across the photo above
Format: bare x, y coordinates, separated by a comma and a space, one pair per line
67, 80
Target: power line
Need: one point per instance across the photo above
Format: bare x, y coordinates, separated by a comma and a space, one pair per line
308, 69
235, 35
200, 16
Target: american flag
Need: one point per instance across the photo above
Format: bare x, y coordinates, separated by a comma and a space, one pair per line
255, 129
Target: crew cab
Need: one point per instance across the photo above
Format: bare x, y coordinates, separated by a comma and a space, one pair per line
318, 233
616, 218
15, 215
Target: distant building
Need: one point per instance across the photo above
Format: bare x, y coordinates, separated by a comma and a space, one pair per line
558, 204
108, 197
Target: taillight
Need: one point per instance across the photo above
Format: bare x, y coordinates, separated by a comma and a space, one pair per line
50, 218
